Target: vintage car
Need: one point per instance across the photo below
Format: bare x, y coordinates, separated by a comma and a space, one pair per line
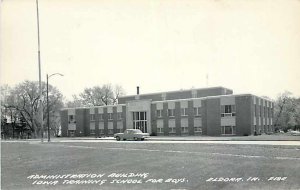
131, 134
294, 133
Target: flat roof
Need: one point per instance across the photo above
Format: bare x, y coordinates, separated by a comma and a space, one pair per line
213, 97
183, 90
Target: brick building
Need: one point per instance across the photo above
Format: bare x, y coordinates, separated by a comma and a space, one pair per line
207, 111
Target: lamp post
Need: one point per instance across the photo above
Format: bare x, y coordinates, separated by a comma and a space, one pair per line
48, 115
40, 76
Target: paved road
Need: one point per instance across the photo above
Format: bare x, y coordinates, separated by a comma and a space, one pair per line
145, 165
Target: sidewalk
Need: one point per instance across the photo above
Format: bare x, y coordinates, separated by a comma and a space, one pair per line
203, 138
180, 138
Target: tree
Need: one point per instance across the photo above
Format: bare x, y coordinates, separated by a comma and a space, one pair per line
118, 91
24, 100
97, 96
287, 111
77, 102
297, 114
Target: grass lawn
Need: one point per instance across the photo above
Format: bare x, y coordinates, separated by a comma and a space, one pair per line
152, 166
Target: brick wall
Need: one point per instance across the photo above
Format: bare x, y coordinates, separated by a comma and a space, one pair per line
80, 117
213, 117
243, 115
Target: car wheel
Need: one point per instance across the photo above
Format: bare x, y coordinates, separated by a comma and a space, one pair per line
142, 139
118, 138
134, 138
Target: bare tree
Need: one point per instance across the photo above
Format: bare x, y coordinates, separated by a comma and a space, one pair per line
24, 99
76, 102
118, 91
98, 96
287, 111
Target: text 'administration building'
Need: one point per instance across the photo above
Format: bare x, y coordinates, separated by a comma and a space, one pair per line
207, 111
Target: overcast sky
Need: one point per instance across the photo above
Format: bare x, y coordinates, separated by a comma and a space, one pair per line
247, 46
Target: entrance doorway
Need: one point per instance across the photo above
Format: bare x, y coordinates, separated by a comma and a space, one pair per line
140, 121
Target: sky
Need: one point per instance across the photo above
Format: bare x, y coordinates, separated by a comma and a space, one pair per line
248, 46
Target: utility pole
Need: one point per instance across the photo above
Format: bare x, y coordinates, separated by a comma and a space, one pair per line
48, 112
40, 76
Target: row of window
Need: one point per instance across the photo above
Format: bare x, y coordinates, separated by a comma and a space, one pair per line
262, 129
160, 130
266, 111
109, 116
226, 111
225, 130
231, 130
164, 95
262, 102
263, 121
101, 131
71, 118
183, 111
230, 111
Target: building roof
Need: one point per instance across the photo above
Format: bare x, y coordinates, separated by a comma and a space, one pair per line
182, 90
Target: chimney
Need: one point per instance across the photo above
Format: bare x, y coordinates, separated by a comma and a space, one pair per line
137, 90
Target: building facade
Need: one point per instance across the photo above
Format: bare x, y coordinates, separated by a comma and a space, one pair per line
208, 111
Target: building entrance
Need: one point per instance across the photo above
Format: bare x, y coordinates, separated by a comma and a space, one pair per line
140, 121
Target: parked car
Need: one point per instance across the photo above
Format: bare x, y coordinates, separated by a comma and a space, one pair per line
131, 134
294, 133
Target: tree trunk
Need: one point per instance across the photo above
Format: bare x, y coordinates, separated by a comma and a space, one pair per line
35, 134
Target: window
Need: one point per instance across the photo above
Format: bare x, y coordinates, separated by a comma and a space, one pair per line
72, 119
101, 131
172, 130
227, 110
194, 94
159, 113
100, 117
184, 130
160, 130
163, 96
260, 111
197, 111
119, 115
71, 133
110, 131
184, 111
265, 112
198, 130
92, 117
271, 122
110, 116
228, 130
119, 130
171, 112
92, 131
